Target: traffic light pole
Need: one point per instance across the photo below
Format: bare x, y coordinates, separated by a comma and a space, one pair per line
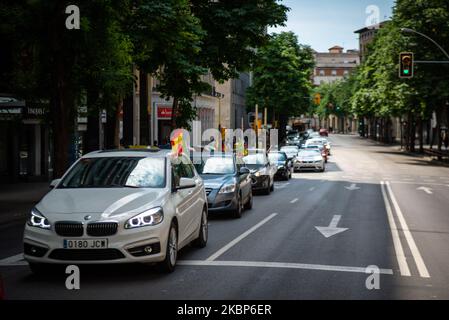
408, 30
431, 62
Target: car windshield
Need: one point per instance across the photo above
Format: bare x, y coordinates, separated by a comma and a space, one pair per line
313, 147
316, 142
254, 161
216, 166
277, 157
116, 172
289, 150
309, 153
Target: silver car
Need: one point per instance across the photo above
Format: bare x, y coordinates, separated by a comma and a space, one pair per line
310, 159
119, 207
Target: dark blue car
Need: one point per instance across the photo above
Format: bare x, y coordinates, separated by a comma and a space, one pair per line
227, 182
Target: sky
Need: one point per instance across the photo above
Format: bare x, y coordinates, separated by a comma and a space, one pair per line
325, 23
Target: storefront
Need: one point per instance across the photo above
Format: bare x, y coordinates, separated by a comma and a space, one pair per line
24, 137
162, 124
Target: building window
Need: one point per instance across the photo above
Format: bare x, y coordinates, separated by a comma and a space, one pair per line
334, 72
322, 73
346, 72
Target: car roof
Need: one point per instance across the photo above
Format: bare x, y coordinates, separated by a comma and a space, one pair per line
143, 153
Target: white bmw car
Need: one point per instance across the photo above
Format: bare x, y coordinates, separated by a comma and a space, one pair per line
119, 206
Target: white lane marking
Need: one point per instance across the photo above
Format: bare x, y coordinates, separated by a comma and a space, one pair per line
257, 264
332, 229
352, 187
425, 189
420, 183
400, 256
312, 189
294, 200
423, 272
240, 237
16, 260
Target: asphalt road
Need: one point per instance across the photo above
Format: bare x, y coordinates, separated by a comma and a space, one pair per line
375, 207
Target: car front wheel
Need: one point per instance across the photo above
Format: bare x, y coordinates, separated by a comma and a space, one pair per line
171, 253
249, 204
239, 209
201, 241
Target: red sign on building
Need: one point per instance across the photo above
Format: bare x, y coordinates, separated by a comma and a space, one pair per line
164, 112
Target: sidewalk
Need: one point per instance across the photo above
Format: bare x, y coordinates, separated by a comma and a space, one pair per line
16, 200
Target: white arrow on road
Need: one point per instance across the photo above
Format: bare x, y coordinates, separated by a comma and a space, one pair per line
332, 229
352, 187
425, 189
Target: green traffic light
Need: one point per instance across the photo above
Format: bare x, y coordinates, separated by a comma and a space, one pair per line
406, 71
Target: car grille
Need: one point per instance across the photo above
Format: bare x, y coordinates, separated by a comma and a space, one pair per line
102, 229
69, 229
86, 254
208, 191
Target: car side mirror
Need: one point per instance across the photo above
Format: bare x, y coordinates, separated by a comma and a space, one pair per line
54, 183
186, 183
244, 170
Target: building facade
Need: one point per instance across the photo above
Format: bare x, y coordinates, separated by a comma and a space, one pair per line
330, 67
334, 65
24, 140
233, 113
366, 36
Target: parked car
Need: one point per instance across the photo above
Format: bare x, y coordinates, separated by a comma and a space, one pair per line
227, 182
310, 159
119, 207
324, 132
284, 165
262, 171
321, 141
313, 135
318, 147
290, 151
293, 140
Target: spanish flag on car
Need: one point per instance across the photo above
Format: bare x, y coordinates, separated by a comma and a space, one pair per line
178, 143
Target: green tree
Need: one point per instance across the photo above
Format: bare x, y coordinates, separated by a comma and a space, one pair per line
282, 76
49, 62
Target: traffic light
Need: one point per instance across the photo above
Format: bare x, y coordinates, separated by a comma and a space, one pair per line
317, 99
406, 61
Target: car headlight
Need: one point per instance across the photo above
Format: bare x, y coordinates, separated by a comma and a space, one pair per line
228, 188
257, 174
151, 217
280, 167
38, 220
318, 161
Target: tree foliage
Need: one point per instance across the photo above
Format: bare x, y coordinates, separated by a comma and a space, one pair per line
282, 76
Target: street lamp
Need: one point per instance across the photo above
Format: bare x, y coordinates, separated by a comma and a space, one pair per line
408, 30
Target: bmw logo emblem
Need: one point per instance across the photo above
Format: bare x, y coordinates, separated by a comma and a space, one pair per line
88, 217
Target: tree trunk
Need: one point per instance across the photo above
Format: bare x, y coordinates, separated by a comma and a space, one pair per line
421, 135
412, 133
174, 113
62, 101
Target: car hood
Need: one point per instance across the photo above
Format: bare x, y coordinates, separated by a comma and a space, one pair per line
316, 158
99, 203
215, 181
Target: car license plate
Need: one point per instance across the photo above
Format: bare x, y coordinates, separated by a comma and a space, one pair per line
85, 243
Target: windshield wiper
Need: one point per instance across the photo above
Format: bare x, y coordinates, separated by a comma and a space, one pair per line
123, 186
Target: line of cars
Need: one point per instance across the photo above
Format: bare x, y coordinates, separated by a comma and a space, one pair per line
142, 205
309, 150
